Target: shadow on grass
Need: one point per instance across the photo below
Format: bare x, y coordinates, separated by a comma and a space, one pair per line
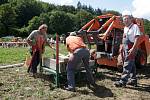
1, 84
143, 73
48, 79
144, 70
141, 87
112, 73
105, 72
81, 81
99, 91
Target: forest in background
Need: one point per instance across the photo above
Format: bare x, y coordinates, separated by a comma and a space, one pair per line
20, 17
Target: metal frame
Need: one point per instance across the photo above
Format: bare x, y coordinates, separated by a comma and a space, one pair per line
56, 72
52, 71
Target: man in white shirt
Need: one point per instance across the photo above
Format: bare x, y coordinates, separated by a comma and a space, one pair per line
129, 49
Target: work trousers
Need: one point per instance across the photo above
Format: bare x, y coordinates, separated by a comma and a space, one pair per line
129, 68
129, 71
81, 54
34, 62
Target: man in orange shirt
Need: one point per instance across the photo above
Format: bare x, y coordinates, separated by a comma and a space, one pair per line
78, 52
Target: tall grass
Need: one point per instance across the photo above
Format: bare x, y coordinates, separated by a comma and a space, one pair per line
18, 55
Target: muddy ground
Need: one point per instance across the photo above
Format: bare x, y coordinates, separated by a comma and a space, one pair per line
17, 84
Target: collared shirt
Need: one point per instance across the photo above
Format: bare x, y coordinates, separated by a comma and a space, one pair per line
74, 43
132, 31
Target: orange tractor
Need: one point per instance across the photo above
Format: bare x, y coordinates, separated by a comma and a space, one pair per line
106, 32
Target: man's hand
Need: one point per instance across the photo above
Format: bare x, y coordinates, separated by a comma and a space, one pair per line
131, 52
121, 49
53, 48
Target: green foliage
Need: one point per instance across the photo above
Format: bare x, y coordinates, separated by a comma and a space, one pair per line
98, 12
7, 19
3, 1
61, 22
83, 17
147, 26
20, 17
57, 21
47, 7
34, 23
111, 12
26, 10
67, 9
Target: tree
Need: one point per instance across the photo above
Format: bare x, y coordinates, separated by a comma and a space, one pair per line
7, 19
90, 9
98, 11
147, 26
111, 12
3, 2
47, 7
61, 22
26, 10
67, 9
57, 21
79, 5
83, 17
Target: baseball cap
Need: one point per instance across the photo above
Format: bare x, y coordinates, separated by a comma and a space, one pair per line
73, 34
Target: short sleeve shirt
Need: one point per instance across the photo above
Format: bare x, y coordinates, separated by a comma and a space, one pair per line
74, 42
38, 39
132, 31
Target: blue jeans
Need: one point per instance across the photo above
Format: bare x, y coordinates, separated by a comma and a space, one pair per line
78, 55
129, 71
129, 68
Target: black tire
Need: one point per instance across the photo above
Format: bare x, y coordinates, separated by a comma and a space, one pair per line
141, 59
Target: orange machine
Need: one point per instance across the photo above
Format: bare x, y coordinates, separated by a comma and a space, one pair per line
106, 32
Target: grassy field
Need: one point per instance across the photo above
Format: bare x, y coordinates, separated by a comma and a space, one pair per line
17, 84
18, 55
12, 55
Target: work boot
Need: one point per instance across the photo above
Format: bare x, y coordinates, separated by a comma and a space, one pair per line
70, 89
132, 83
119, 84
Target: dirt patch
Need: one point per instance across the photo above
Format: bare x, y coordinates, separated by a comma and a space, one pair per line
16, 83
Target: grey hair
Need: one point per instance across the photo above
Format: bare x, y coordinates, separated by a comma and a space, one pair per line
42, 26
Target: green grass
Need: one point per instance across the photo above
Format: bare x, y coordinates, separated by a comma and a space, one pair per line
18, 55
12, 55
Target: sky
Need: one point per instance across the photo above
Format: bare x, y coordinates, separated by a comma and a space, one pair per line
138, 8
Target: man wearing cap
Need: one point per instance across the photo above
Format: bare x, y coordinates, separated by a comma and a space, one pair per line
37, 40
78, 53
129, 49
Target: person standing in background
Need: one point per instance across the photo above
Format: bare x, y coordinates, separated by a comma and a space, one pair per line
129, 49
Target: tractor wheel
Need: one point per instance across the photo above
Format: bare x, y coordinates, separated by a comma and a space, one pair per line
140, 59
